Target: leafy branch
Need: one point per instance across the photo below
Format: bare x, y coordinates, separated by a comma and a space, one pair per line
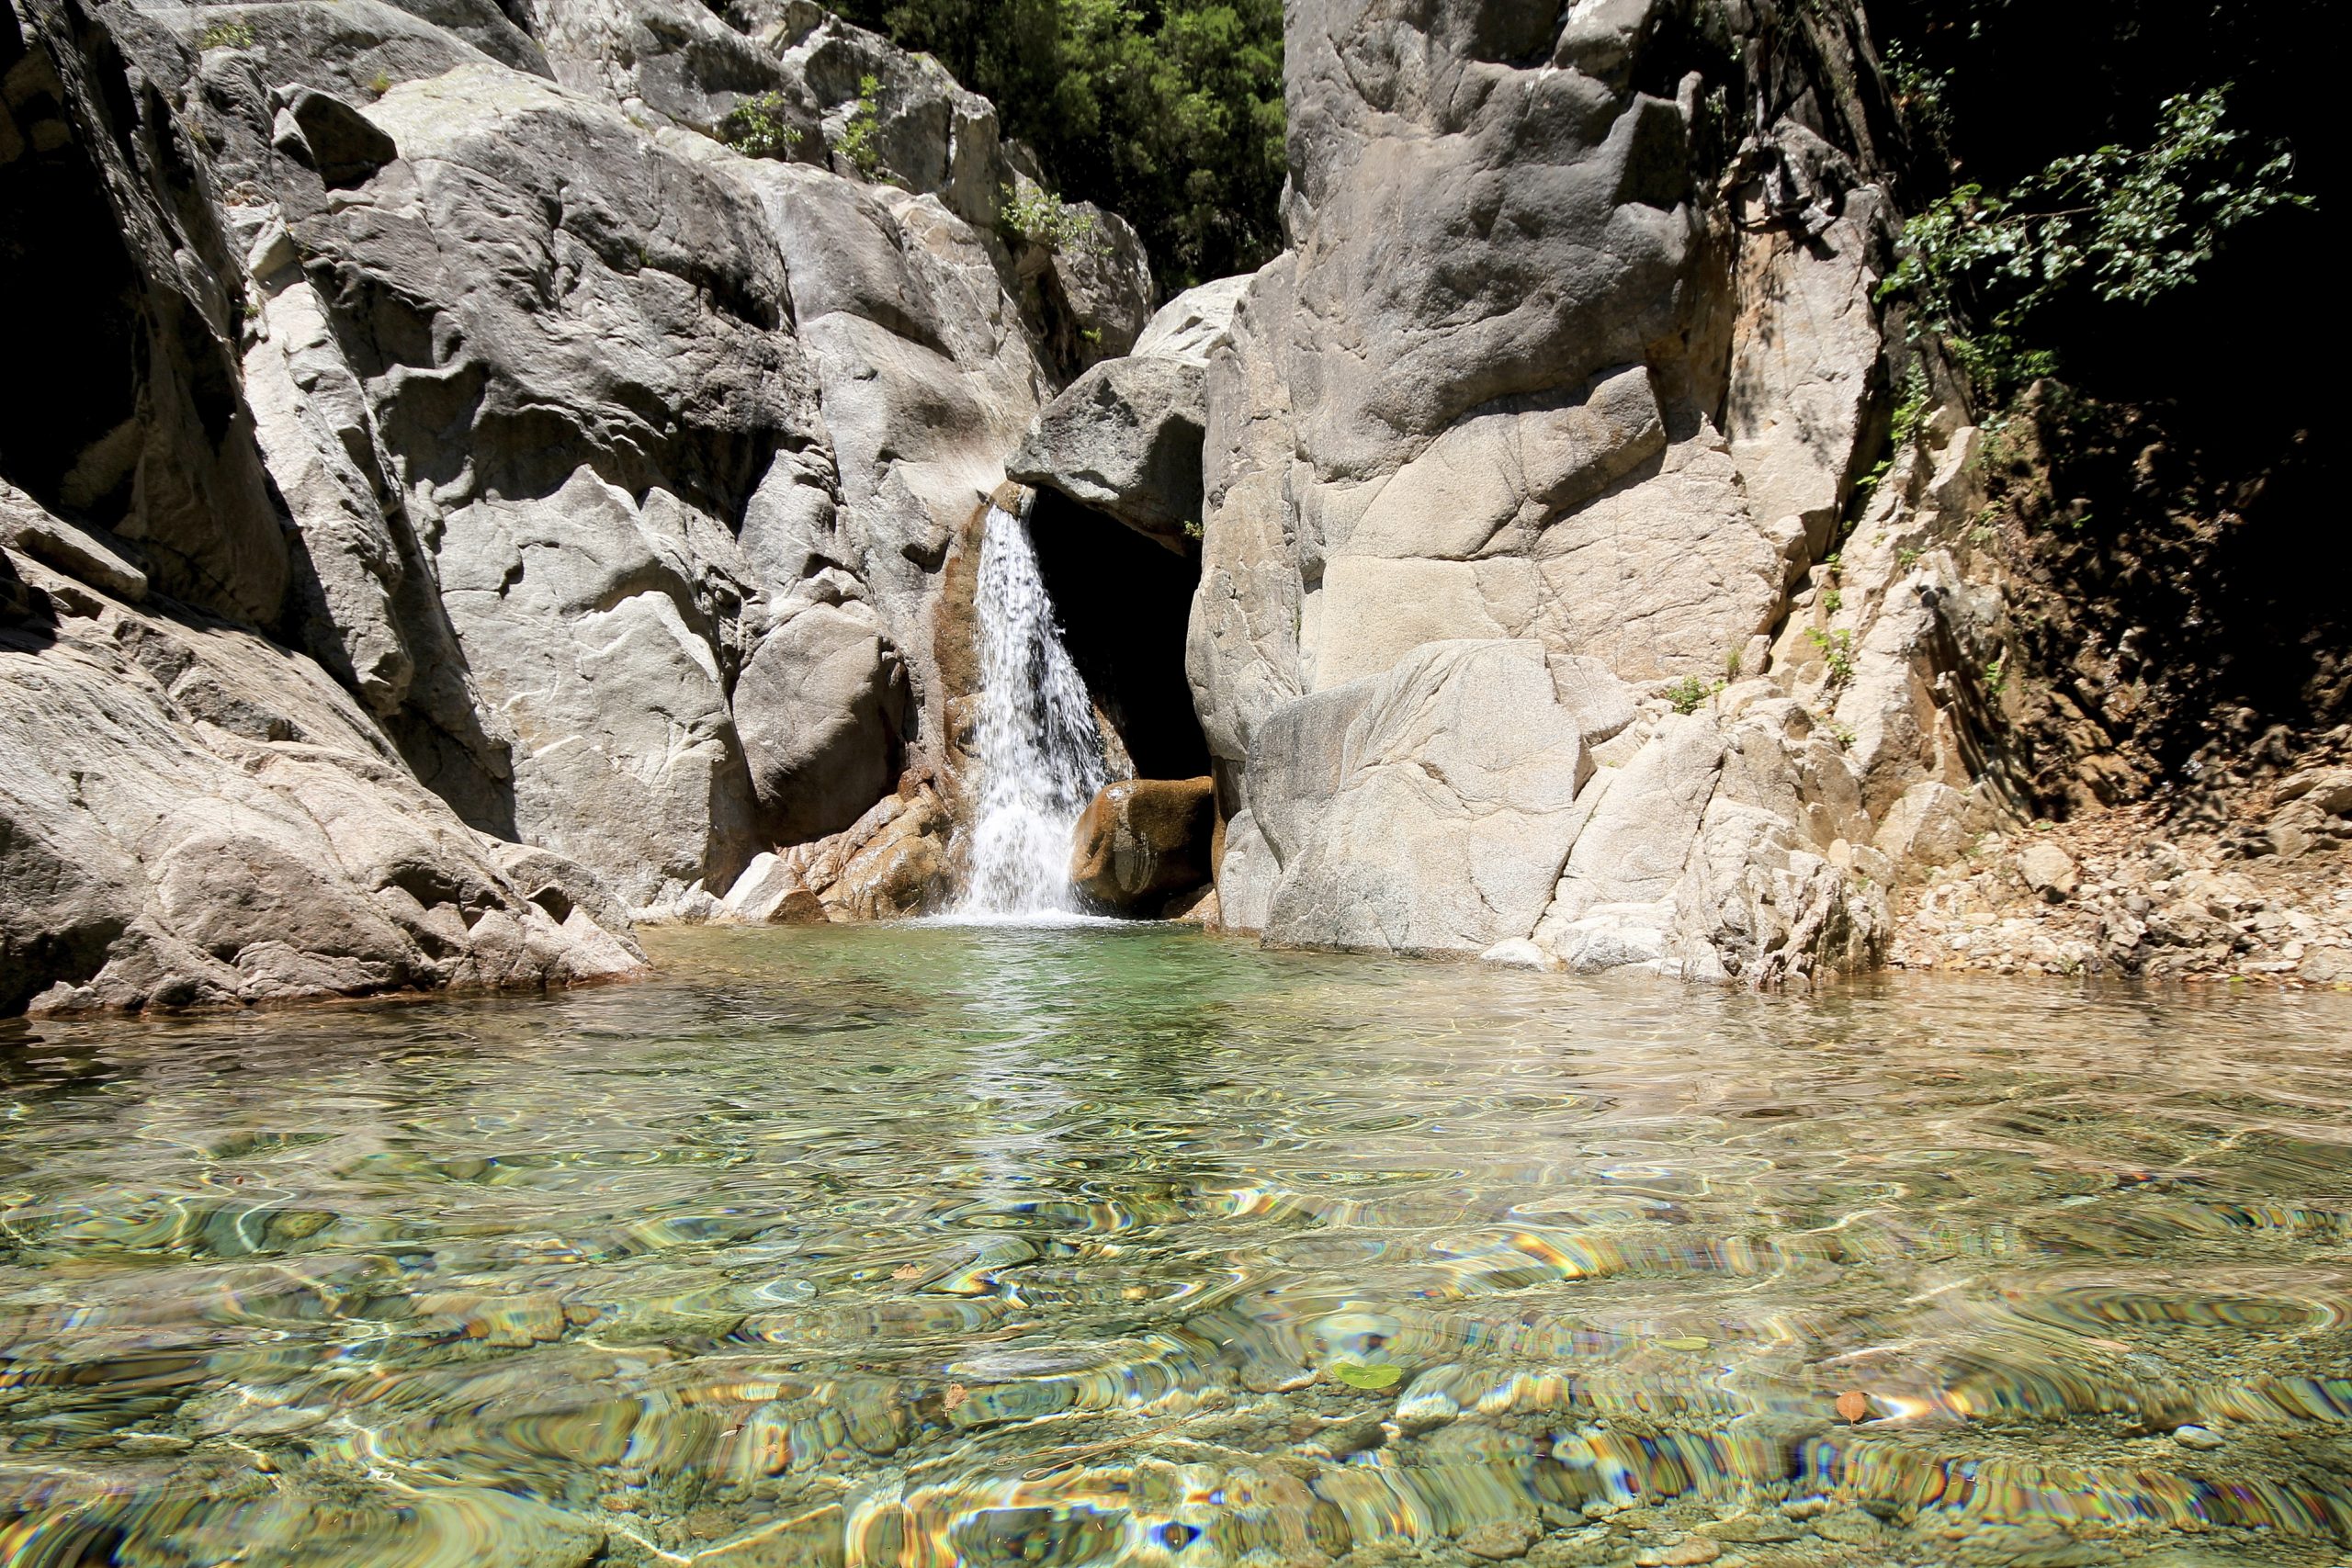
2130, 225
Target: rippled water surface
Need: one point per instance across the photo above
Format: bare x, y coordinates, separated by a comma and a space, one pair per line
991, 1246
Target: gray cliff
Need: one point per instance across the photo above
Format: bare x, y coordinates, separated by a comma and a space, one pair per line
479, 477
1518, 627
464, 501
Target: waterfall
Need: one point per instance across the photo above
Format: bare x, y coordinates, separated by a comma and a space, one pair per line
1040, 755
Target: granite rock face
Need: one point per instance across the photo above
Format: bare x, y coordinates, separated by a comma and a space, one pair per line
1423, 809
192, 815
607, 478
1564, 386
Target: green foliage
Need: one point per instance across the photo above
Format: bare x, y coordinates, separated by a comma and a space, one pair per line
226, 35
381, 82
1996, 677
758, 127
2128, 225
1169, 114
1923, 93
1689, 696
1902, 430
1837, 651
857, 142
1043, 218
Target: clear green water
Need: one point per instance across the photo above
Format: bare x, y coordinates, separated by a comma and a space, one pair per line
923, 1246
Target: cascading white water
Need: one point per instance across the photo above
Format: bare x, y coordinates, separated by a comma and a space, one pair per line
1040, 755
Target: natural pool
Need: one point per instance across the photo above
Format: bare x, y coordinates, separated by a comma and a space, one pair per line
923, 1246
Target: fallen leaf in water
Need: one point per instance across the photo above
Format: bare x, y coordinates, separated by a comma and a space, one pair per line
1687, 1342
1356, 1375
906, 1271
1853, 1406
956, 1394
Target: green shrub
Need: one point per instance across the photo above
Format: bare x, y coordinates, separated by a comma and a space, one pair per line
1689, 696
2128, 224
1043, 218
858, 143
759, 127
1837, 651
226, 35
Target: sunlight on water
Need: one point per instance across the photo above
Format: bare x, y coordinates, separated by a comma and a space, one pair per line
929, 1246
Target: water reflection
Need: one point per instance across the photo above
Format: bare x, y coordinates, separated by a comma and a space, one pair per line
974, 1246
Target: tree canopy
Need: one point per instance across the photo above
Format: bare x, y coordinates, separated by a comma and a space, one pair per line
1171, 114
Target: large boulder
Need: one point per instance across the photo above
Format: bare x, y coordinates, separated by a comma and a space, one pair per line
1124, 439
821, 709
1141, 840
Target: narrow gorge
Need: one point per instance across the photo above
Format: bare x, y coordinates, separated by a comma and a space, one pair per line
483, 508
993, 900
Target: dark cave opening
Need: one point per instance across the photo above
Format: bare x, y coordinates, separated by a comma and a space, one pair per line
1123, 601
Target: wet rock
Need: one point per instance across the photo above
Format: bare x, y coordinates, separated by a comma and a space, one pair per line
2202, 1439
1519, 953
897, 869
1750, 1530
1682, 1554
1500, 1541
1140, 841
1851, 1527
1583, 1548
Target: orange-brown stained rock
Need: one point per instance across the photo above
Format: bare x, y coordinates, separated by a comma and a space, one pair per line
1142, 839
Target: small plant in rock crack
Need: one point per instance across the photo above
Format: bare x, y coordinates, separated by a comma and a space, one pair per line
1042, 218
226, 35
760, 127
1833, 600
858, 143
1837, 651
1689, 693
1996, 674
